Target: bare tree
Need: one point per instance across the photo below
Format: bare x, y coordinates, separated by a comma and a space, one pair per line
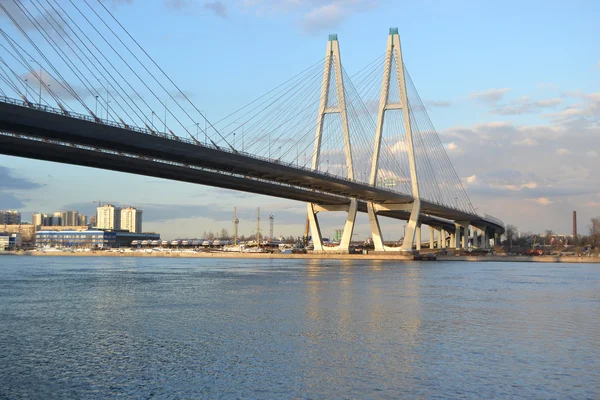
511, 232
595, 232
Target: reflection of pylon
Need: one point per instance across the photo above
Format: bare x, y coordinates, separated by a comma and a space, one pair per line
271, 219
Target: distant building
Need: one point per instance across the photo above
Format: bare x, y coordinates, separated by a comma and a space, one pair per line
27, 231
62, 228
83, 220
108, 217
10, 217
10, 241
56, 219
89, 239
92, 220
70, 218
37, 219
131, 219
95, 238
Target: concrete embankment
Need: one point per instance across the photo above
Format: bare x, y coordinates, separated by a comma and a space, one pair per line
320, 256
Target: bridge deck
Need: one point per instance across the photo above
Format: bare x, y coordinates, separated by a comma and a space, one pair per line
184, 161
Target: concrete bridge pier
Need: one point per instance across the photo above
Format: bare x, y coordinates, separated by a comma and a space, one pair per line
431, 237
315, 228
462, 235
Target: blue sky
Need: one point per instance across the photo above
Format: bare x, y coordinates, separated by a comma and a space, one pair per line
513, 89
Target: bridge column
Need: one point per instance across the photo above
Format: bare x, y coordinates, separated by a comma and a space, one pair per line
394, 55
418, 237
431, 237
462, 236
315, 229
485, 242
373, 208
441, 239
453, 239
375, 227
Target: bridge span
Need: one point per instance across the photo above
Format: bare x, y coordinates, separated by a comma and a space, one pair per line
45, 133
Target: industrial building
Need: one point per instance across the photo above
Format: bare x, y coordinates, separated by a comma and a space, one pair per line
10, 241
96, 238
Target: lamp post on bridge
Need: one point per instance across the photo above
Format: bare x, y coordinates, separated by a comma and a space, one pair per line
40, 79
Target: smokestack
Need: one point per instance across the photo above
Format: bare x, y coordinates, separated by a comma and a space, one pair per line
574, 224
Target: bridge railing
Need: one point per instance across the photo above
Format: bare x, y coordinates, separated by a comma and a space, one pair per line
97, 120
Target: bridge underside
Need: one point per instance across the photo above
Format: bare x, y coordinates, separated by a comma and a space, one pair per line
67, 154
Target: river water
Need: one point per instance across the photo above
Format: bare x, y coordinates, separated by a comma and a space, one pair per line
99, 328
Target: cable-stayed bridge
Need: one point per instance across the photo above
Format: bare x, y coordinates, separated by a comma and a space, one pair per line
77, 88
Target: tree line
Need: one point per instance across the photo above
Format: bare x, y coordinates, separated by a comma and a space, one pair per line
550, 239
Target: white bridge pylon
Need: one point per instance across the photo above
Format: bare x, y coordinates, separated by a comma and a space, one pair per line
394, 53
333, 68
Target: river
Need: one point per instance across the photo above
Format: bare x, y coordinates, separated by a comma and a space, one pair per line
97, 328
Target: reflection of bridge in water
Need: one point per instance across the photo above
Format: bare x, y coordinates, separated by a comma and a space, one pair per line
312, 139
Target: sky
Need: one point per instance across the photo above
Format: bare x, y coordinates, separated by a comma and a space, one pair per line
512, 87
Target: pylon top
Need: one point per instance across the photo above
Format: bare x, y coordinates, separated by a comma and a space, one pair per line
333, 37
393, 31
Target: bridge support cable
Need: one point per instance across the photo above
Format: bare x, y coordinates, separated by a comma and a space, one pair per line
438, 181
73, 44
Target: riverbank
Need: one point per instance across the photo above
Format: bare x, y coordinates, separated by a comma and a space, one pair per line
329, 256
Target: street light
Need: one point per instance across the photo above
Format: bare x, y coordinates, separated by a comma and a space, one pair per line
40, 79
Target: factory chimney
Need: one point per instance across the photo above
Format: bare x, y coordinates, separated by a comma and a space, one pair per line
574, 224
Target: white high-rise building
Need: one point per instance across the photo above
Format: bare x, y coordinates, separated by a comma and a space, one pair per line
131, 219
70, 218
57, 219
37, 219
108, 217
10, 217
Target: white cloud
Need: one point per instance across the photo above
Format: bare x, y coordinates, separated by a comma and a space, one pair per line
469, 180
438, 103
526, 142
525, 105
314, 16
451, 146
563, 152
592, 153
491, 96
544, 201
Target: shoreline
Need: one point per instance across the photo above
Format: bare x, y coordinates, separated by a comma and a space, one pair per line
313, 256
